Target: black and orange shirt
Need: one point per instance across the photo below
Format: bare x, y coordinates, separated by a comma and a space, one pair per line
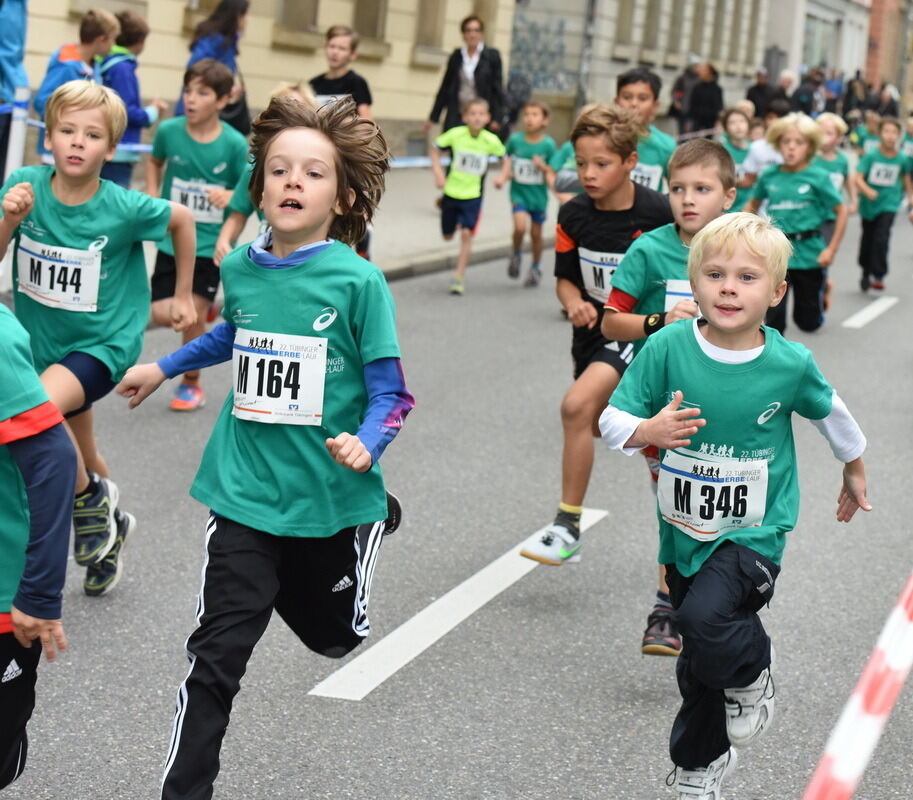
589, 243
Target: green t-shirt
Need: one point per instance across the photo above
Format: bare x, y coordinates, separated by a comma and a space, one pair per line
564, 158
738, 479
864, 138
798, 202
527, 186
838, 170
906, 145
885, 176
240, 202
193, 169
653, 153
279, 477
742, 195
20, 391
469, 161
80, 271
655, 271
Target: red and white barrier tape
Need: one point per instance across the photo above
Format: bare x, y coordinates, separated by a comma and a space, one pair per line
859, 728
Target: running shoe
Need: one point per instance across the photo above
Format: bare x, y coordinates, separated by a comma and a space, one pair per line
94, 525
750, 709
188, 397
877, 284
534, 278
703, 783
661, 638
394, 514
556, 546
102, 577
513, 265
456, 286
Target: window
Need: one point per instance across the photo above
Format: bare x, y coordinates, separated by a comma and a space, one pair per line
751, 56
429, 35
651, 24
676, 26
297, 15
370, 18
624, 25
735, 33
719, 24
697, 28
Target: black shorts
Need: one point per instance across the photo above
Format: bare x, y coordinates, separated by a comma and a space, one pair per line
17, 700
206, 277
94, 376
464, 213
590, 346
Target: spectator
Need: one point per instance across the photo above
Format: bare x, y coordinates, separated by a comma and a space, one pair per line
473, 72
833, 91
888, 104
706, 98
854, 99
785, 84
761, 93
680, 107
808, 98
13, 17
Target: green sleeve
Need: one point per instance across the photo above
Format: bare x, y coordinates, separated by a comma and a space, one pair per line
374, 320
511, 144
22, 389
862, 166
814, 395
825, 189
641, 389
631, 275
160, 143
240, 200
445, 139
760, 188
552, 148
149, 216
561, 155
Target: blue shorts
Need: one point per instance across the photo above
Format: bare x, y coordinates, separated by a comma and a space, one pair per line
464, 213
538, 217
94, 376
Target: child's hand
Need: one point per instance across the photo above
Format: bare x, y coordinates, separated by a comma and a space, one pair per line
220, 198
581, 314
871, 193
852, 207
537, 160
18, 203
499, 182
27, 628
222, 249
670, 427
349, 451
439, 181
852, 493
161, 105
683, 309
183, 313
826, 257
140, 381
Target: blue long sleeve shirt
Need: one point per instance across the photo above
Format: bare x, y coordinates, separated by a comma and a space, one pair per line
212, 46
13, 22
118, 72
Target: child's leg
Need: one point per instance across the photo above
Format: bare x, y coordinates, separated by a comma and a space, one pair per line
535, 235
808, 292
240, 581
66, 392
17, 701
465, 250
521, 223
865, 251
83, 429
201, 304
881, 241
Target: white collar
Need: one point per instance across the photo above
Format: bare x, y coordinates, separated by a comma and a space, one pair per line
472, 59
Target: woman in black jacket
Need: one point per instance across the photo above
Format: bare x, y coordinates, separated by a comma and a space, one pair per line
706, 98
473, 70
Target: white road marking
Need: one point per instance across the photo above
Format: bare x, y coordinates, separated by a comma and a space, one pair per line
874, 309
366, 672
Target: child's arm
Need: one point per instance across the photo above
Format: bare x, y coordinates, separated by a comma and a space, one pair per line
669, 428
580, 312
852, 495
220, 198
908, 190
438, 172
853, 191
228, 236
184, 237
826, 256
504, 174
863, 187
625, 326
154, 171
17, 205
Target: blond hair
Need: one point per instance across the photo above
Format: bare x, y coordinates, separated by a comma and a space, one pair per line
287, 88
835, 119
79, 95
803, 123
762, 239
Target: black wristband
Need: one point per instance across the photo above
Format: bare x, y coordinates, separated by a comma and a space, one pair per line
653, 322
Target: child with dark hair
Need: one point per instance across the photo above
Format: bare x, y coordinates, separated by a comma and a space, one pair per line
118, 72
316, 322
340, 80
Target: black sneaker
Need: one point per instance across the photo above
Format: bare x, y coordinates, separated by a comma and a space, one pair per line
102, 577
394, 514
661, 638
93, 522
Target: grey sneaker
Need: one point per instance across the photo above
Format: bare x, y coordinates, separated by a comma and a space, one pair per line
750, 709
555, 546
102, 577
703, 783
534, 278
93, 522
513, 265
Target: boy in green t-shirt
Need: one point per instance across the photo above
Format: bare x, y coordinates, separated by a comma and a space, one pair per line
318, 393
530, 152
716, 395
865, 137
638, 89
82, 292
881, 176
736, 124
461, 205
197, 159
650, 289
800, 197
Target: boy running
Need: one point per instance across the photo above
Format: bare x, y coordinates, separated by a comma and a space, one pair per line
716, 396
650, 289
836, 164
318, 393
735, 139
461, 206
594, 231
196, 161
83, 295
530, 152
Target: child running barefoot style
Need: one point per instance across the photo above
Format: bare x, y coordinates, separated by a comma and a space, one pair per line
881, 175
594, 231
83, 295
197, 159
799, 199
461, 205
317, 394
530, 152
716, 396
650, 289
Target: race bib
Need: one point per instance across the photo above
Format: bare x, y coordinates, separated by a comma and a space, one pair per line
837, 180
707, 498
597, 270
649, 175
59, 277
883, 174
278, 377
677, 290
527, 173
195, 195
470, 163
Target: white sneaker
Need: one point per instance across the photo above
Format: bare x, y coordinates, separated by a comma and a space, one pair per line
704, 783
554, 547
750, 709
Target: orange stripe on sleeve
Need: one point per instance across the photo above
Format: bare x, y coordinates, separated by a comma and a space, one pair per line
563, 242
30, 422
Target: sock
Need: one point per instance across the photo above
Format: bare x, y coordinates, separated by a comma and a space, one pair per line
518, 253
536, 267
569, 517
92, 488
663, 601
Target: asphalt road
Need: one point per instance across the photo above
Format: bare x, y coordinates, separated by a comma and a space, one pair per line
542, 693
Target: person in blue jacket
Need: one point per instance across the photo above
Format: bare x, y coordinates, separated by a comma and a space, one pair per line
13, 22
217, 37
118, 72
